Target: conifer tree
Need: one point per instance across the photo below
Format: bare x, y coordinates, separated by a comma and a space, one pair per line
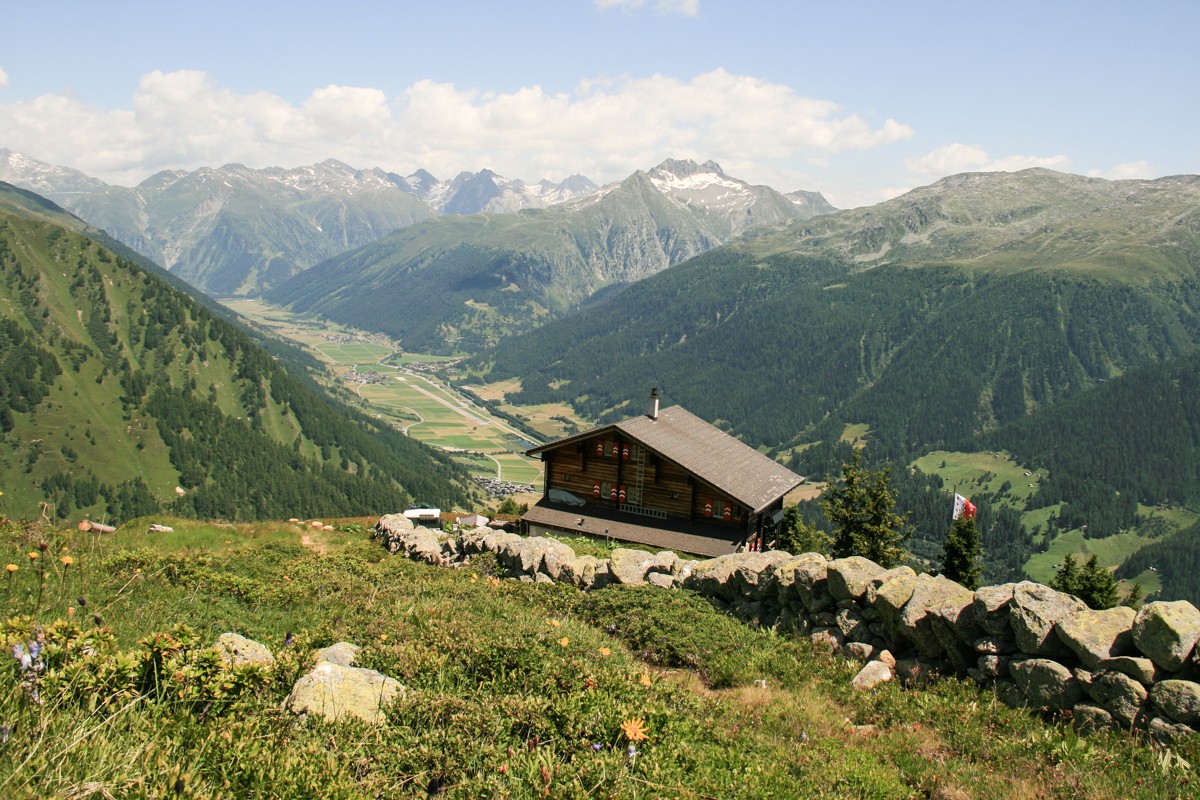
860, 508
799, 536
1091, 583
962, 553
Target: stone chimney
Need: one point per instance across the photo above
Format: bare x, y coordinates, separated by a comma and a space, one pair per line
652, 409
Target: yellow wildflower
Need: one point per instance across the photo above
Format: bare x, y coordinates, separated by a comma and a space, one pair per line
67, 561
605, 652
563, 642
383, 637
33, 555
645, 680
634, 730
553, 623
12, 568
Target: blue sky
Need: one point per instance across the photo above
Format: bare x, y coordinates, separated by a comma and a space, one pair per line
858, 100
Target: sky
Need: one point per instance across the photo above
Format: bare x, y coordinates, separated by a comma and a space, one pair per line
856, 99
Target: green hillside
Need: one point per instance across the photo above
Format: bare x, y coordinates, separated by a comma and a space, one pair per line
115, 388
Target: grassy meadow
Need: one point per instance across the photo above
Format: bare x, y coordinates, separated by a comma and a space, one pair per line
513, 690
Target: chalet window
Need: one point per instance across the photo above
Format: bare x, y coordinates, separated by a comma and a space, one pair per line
608, 491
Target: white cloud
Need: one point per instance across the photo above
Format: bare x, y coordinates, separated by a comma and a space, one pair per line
955, 158
687, 8
3, 78
1133, 170
604, 129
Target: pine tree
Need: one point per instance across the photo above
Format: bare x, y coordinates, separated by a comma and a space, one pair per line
799, 536
962, 553
1092, 583
860, 508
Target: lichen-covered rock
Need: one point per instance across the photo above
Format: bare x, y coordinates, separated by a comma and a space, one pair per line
871, 675
737, 575
1091, 719
850, 577
829, 639
859, 651
1096, 635
888, 597
1179, 700
1166, 632
850, 622
1045, 683
662, 580
992, 666
804, 578
393, 523
236, 650
666, 562
554, 555
1140, 669
584, 572
991, 608
334, 692
343, 653
1034, 612
994, 645
629, 566
930, 620
1163, 731
1120, 695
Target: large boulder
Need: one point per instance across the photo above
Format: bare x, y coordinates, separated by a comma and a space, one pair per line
554, 555
849, 578
236, 650
334, 691
1096, 635
1179, 700
737, 576
419, 544
803, 578
932, 616
889, 595
1121, 696
871, 675
392, 524
1034, 612
1166, 632
629, 566
585, 572
1045, 683
991, 608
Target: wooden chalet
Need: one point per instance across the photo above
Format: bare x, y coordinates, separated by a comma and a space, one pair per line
666, 479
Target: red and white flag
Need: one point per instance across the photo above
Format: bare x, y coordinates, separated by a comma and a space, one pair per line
963, 507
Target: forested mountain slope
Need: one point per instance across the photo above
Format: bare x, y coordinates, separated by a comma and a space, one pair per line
461, 284
933, 317
115, 388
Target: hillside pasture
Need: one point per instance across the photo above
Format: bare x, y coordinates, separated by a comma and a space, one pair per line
968, 473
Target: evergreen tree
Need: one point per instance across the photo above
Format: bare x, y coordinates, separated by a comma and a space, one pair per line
961, 557
861, 510
798, 536
1092, 583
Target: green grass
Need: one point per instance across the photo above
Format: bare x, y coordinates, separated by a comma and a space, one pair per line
968, 473
1109, 551
513, 690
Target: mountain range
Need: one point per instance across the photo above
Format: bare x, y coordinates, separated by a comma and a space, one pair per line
233, 230
461, 284
121, 395
939, 314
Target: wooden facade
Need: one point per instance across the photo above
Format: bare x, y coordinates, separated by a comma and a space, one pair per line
623, 473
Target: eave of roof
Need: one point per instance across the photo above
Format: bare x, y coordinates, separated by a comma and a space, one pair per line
671, 537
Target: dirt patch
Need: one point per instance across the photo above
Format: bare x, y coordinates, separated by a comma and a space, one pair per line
319, 548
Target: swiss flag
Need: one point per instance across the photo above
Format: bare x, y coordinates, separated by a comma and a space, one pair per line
963, 507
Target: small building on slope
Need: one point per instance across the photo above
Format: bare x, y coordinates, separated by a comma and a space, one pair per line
666, 479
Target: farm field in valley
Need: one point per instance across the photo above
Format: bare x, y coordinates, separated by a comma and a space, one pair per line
404, 393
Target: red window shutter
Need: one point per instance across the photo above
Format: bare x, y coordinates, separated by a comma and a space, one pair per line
728, 513
616, 449
596, 489
708, 507
612, 493
621, 494
600, 448
625, 452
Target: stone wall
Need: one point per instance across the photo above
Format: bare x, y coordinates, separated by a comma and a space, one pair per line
1032, 645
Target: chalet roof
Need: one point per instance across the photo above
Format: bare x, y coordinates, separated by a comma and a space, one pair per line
704, 450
